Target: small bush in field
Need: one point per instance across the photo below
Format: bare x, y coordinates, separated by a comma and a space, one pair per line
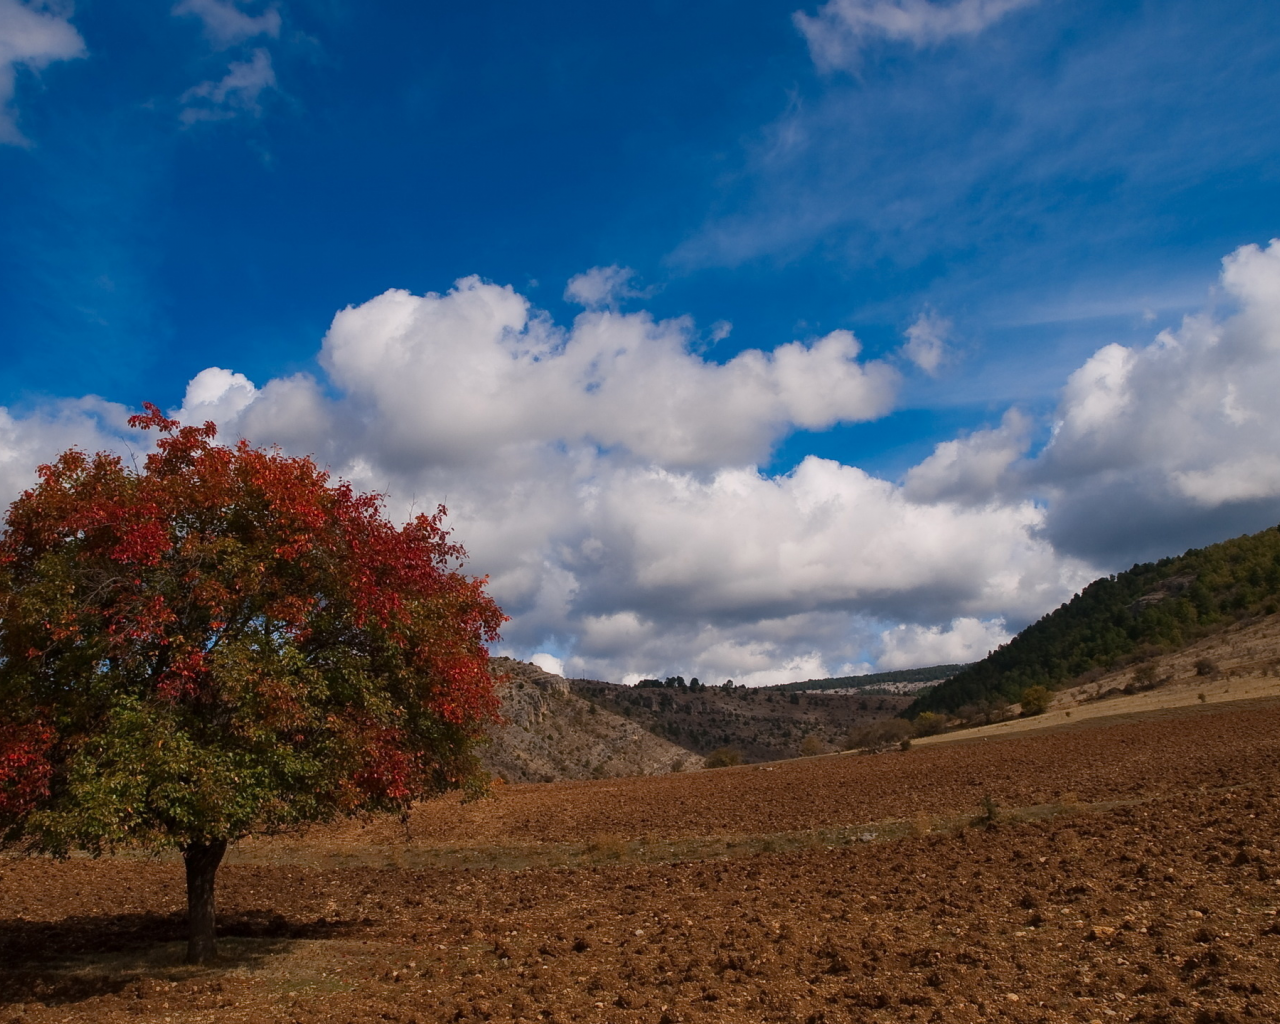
990, 813
724, 757
1206, 667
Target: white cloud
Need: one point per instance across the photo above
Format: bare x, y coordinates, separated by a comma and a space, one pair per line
548, 663
1188, 423
972, 470
607, 476
475, 374
225, 24
602, 287
1154, 448
34, 38
237, 92
927, 342
741, 546
1250, 478
962, 641
841, 28
218, 395
90, 424
720, 330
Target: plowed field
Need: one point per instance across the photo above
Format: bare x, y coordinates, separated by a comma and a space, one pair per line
1130, 874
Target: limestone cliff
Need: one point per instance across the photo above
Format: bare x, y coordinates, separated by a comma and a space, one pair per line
549, 733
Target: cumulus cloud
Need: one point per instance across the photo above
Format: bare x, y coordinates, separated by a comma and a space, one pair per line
26, 442
468, 376
1185, 426
743, 546
218, 395
964, 640
237, 92
225, 24
927, 342
841, 28
608, 477
1153, 448
33, 37
976, 469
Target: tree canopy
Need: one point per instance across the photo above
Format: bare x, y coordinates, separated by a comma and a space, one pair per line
225, 643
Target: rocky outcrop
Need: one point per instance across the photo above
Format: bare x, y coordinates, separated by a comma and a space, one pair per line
549, 733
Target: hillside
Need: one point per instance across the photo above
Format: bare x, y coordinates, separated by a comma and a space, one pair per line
551, 734
763, 724
898, 681
1135, 615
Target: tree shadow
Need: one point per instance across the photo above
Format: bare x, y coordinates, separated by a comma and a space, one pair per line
89, 956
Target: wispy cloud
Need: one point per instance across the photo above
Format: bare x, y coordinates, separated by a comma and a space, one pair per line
841, 28
225, 24
1050, 165
32, 36
603, 287
926, 344
237, 92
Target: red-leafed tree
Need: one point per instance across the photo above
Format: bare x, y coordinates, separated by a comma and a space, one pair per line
221, 644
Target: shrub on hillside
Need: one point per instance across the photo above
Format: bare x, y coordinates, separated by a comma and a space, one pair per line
887, 733
724, 757
812, 746
1035, 700
929, 724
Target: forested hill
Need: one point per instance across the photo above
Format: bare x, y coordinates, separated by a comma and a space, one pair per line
1151, 608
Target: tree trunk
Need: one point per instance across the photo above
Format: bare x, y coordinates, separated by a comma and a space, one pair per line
202, 860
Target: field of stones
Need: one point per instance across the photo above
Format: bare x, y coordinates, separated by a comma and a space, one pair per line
1118, 869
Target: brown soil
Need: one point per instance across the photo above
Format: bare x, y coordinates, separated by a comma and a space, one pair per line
1130, 874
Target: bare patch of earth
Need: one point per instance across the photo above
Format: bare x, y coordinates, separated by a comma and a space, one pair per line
1121, 870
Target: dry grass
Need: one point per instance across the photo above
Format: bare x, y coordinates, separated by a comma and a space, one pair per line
1248, 668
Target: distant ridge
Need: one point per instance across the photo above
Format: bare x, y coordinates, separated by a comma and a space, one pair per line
1149, 610
931, 674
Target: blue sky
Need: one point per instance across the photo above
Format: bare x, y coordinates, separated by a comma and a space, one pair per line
1005, 202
